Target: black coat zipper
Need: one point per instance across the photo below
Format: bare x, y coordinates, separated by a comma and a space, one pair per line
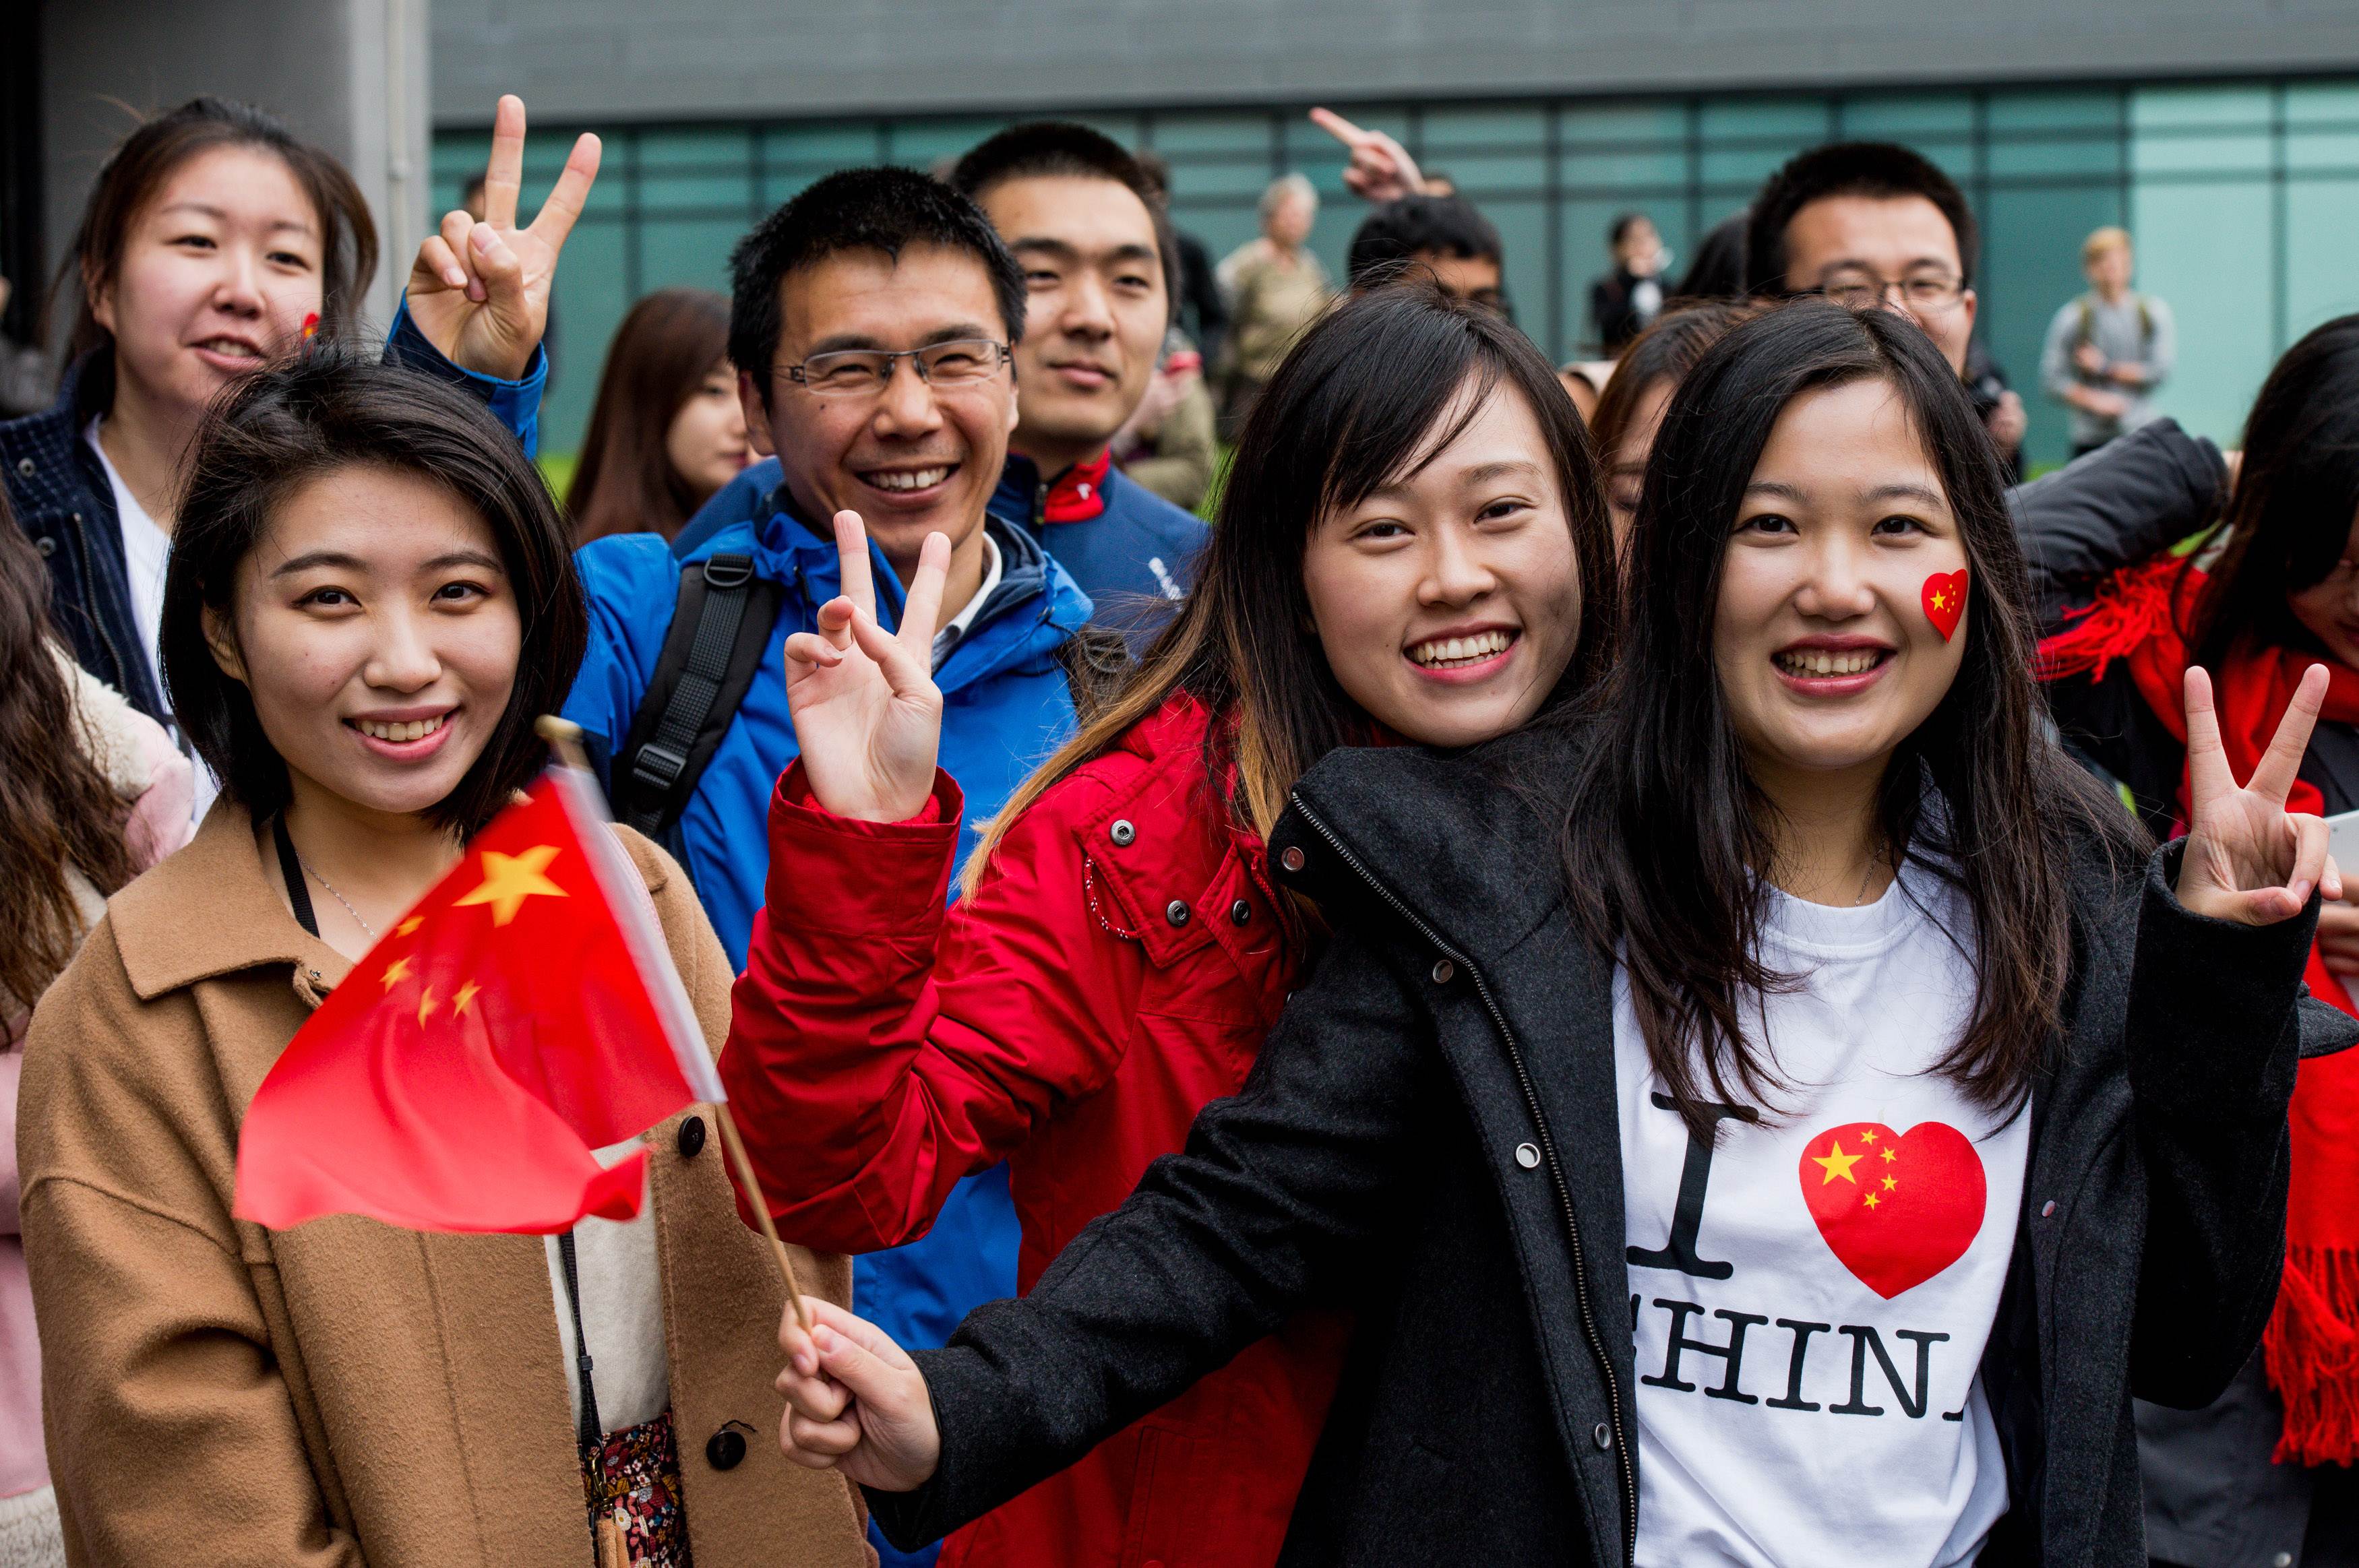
1547, 1151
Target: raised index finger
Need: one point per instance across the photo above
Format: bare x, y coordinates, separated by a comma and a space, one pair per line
1337, 126
570, 193
503, 175
2281, 763
852, 561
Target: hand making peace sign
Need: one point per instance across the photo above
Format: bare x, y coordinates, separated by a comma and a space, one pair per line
480, 290
867, 714
2247, 859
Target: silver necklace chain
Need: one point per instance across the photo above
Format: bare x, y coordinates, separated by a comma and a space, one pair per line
340, 898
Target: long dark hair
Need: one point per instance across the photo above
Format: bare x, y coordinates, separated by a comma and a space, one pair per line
294, 422
138, 167
1667, 351
659, 358
1362, 400
2289, 520
57, 810
1667, 838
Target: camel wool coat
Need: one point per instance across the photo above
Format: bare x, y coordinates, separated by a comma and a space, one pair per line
345, 1392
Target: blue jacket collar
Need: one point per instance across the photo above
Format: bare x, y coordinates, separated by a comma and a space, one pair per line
1036, 607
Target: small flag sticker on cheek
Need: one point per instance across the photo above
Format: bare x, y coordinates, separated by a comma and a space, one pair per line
1945, 601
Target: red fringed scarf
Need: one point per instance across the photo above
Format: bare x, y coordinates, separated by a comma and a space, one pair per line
2313, 1343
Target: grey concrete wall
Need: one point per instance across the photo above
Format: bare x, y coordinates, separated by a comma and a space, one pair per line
606, 59
351, 75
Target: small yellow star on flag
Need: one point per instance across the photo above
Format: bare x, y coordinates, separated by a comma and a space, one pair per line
466, 994
1837, 1163
425, 1003
509, 880
409, 925
396, 971
1870, 1200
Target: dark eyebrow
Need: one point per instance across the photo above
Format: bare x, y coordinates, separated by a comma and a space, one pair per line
1773, 487
218, 215
313, 560
840, 343
1924, 493
1483, 473
1055, 247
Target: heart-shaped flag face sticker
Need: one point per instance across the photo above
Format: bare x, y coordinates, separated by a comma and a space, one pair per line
1945, 601
1895, 1208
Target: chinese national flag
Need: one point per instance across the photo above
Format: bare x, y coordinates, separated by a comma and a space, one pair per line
522, 1014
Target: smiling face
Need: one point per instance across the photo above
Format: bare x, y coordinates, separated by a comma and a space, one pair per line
1449, 603
2328, 607
1884, 240
1098, 307
913, 459
705, 442
1826, 656
218, 272
374, 627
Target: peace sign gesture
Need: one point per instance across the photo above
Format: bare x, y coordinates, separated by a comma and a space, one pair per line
480, 290
1381, 168
2247, 859
867, 714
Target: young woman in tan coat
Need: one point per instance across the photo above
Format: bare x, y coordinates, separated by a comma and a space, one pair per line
369, 602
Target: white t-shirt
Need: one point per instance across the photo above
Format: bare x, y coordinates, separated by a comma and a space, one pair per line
1809, 1324
147, 552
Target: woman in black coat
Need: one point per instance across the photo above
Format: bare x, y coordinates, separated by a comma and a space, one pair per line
1604, 1155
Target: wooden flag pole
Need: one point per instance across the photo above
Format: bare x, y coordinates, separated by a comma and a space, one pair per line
564, 738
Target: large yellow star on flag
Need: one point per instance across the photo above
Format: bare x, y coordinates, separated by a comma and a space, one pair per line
509, 880
1835, 1162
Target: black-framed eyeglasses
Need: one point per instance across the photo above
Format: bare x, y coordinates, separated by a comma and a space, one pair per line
1927, 294
865, 373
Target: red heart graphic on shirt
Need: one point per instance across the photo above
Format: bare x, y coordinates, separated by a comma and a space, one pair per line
1894, 1208
1944, 594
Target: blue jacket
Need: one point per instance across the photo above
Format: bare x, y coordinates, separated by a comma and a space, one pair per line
1006, 703
65, 505
1133, 560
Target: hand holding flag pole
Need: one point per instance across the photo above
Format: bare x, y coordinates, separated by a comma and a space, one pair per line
564, 738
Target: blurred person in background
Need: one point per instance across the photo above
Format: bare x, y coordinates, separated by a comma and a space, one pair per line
667, 430
1718, 270
1625, 300
2127, 605
2107, 351
94, 793
213, 241
1093, 245
25, 384
1874, 226
1168, 444
1275, 288
1631, 409
1441, 239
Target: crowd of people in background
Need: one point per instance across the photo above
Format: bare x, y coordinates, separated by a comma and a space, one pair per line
1271, 1033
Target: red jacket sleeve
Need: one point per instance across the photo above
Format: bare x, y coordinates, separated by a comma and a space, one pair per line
882, 1047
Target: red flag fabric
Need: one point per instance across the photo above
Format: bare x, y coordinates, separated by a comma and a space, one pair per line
524, 1013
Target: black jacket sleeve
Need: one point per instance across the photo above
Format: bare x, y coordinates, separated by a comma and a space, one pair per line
1219, 1244
2216, 1013
2124, 503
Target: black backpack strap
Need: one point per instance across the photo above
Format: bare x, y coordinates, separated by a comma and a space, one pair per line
720, 628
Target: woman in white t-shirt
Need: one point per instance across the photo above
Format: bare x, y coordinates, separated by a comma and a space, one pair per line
1805, 1167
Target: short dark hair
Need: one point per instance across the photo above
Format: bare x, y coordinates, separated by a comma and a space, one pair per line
880, 209
1882, 171
1622, 224
1045, 148
1419, 226
292, 423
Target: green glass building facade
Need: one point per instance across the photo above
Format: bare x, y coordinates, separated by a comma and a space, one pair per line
2244, 198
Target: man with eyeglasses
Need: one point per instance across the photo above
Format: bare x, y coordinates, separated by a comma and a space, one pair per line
1872, 223
1088, 227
